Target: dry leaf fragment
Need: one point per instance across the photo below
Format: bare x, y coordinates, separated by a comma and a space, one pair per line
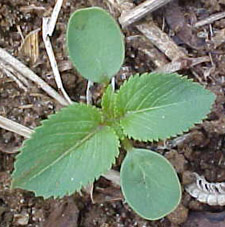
30, 47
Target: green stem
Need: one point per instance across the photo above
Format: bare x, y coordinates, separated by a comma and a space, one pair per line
127, 144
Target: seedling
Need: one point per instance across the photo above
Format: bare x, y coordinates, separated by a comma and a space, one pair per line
79, 143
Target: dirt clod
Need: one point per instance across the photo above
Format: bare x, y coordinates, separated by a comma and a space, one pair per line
178, 216
177, 160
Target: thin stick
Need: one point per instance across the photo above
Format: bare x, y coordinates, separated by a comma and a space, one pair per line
51, 56
9, 68
88, 92
6, 58
10, 75
161, 40
210, 19
20, 32
140, 11
113, 83
15, 127
182, 63
54, 17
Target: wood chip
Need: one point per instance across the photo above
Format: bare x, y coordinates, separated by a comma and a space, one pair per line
30, 46
140, 11
161, 40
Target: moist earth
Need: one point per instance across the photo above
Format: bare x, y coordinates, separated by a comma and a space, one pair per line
201, 150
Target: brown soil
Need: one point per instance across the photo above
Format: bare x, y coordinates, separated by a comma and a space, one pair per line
202, 151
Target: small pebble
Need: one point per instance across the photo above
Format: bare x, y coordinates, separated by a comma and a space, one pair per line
21, 219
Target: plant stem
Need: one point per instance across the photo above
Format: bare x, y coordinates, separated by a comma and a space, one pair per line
127, 144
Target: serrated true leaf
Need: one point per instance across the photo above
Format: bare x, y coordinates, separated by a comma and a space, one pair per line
109, 102
150, 184
95, 44
67, 152
157, 106
109, 111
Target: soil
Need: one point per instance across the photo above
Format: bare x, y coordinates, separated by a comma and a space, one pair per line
201, 151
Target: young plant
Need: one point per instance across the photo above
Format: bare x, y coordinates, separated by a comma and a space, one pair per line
80, 142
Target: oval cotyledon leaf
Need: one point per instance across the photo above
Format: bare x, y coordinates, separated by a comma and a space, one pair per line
150, 184
69, 150
95, 44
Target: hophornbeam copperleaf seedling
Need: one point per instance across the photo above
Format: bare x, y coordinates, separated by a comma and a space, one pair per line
79, 143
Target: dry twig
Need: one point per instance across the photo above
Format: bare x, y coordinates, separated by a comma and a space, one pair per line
9, 60
182, 63
52, 59
210, 19
17, 75
48, 27
54, 17
15, 127
13, 77
140, 11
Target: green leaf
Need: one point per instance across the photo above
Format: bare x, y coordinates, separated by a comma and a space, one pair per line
69, 150
95, 44
109, 103
150, 184
157, 106
109, 111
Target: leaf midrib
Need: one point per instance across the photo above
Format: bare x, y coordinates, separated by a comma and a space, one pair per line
155, 107
152, 108
64, 154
